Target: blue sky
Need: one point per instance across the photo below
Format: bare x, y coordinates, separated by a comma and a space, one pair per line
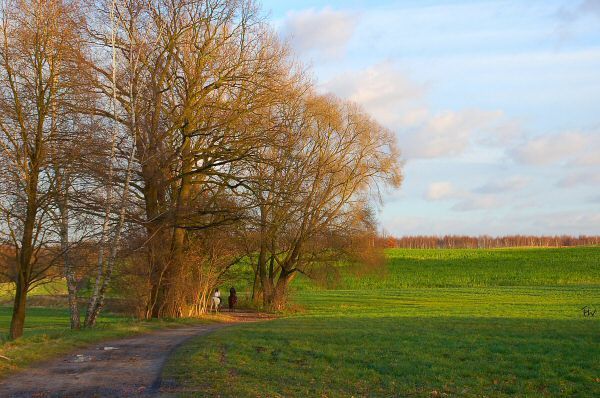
496, 105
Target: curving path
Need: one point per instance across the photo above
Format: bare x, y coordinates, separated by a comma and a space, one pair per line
129, 367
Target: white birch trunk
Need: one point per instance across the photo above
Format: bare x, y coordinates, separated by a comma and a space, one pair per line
100, 274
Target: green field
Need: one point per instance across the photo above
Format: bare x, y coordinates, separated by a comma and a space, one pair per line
57, 287
464, 323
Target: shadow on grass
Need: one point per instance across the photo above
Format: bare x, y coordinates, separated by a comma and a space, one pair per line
392, 356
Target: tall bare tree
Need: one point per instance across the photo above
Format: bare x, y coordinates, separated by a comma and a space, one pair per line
196, 75
315, 181
38, 65
182, 123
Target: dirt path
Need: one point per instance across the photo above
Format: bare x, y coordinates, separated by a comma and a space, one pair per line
128, 367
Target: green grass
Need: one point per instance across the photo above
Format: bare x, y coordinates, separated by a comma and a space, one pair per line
478, 268
47, 335
462, 323
7, 290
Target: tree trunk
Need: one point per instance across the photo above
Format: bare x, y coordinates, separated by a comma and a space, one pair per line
24, 259
279, 295
266, 280
91, 313
112, 258
166, 303
159, 269
17, 322
73, 305
69, 269
255, 286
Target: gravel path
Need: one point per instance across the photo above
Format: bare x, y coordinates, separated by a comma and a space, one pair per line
128, 367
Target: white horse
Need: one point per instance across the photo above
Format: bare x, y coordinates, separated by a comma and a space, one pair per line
215, 301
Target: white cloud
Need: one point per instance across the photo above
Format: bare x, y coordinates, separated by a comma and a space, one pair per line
465, 96
511, 184
570, 148
503, 132
399, 103
583, 9
568, 17
422, 225
467, 201
448, 133
594, 199
440, 191
478, 203
571, 223
395, 195
590, 7
324, 32
384, 91
580, 178
590, 157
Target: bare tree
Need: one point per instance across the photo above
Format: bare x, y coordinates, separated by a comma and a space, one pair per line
486, 241
315, 182
38, 56
193, 80
202, 140
105, 267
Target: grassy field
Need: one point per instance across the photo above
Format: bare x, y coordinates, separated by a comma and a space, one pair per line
462, 323
479, 268
53, 288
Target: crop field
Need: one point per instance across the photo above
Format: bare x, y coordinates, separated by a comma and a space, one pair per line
480, 268
433, 323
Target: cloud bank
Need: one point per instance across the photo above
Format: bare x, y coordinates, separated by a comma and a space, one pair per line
323, 33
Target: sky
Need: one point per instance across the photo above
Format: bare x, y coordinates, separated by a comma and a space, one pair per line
496, 105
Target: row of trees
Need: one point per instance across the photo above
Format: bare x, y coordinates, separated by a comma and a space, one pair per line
173, 139
485, 241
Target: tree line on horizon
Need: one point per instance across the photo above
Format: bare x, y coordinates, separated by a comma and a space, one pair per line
484, 241
163, 143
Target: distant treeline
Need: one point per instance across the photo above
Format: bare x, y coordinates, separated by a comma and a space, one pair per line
485, 242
